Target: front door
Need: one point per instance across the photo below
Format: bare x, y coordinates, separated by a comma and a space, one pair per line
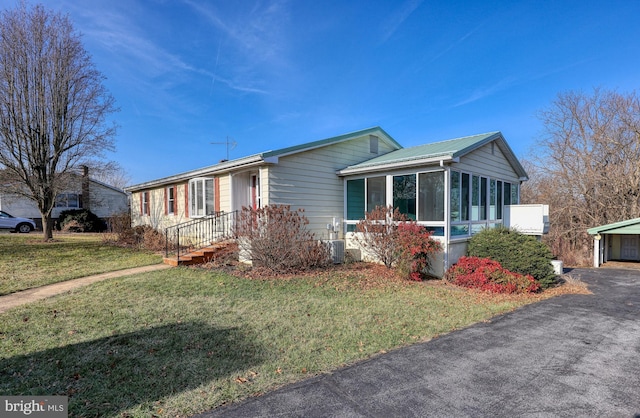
629, 250
255, 192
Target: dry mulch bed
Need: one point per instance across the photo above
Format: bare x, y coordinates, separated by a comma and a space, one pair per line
370, 276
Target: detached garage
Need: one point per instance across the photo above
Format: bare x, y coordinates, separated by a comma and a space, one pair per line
617, 241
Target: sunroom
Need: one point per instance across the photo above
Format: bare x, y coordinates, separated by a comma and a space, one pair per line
454, 188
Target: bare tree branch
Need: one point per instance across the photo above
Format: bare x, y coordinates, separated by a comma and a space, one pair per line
53, 106
586, 165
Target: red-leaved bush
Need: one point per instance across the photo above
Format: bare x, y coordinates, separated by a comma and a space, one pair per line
415, 248
488, 275
397, 242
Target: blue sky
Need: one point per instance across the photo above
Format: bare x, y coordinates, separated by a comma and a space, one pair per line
270, 74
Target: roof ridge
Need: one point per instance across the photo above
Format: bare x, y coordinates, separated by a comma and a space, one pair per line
463, 137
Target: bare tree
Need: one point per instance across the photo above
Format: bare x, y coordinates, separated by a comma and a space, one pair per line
112, 174
53, 106
587, 164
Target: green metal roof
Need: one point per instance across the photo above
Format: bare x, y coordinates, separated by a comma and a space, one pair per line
329, 141
449, 149
628, 227
263, 156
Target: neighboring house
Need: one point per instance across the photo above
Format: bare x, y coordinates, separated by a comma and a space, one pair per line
84, 193
617, 241
455, 187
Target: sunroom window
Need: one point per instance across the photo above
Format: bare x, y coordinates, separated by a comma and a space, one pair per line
404, 195
477, 202
355, 199
431, 196
201, 197
419, 196
376, 192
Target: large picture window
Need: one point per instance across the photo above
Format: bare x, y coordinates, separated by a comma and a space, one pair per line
68, 200
201, 197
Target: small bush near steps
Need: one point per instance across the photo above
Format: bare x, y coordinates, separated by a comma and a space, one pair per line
488, 275
275, 238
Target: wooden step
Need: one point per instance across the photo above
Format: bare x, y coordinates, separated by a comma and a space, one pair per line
200, 256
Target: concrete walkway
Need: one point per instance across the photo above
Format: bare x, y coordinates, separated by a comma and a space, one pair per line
26, 296
569, 356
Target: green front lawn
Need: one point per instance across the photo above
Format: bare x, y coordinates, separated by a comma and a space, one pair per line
26, 261
181, 341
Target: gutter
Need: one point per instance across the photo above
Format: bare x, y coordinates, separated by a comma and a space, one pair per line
397, 164
221, 168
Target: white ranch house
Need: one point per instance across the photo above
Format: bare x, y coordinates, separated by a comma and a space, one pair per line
454, 188
83, 192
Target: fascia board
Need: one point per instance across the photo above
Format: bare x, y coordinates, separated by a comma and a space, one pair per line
206, 171
396, 165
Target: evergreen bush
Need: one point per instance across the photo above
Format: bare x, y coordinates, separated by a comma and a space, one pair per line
80, 220
515, 252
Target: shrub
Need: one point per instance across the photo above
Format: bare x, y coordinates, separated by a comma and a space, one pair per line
139, 237
395, 241
488, 275
414, 248
80, 220
516, 252
275, 237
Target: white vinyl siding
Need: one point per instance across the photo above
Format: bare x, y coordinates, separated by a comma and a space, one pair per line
106, 202
225, 193
308, 180
482, 162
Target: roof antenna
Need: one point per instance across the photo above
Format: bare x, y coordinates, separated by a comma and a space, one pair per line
229, 143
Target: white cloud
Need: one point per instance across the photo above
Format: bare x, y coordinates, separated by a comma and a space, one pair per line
258, 39
456, 43
481, 93
396, 20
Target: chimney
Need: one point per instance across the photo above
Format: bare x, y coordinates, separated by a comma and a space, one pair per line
85, 188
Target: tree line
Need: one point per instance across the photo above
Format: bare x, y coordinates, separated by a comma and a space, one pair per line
586, 166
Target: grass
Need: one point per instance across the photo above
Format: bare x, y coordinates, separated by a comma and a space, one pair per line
26, 261
181, 341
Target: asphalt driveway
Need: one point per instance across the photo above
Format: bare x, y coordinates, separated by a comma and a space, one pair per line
574, 355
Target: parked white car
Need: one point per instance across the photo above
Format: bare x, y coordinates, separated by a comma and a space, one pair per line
16, 224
